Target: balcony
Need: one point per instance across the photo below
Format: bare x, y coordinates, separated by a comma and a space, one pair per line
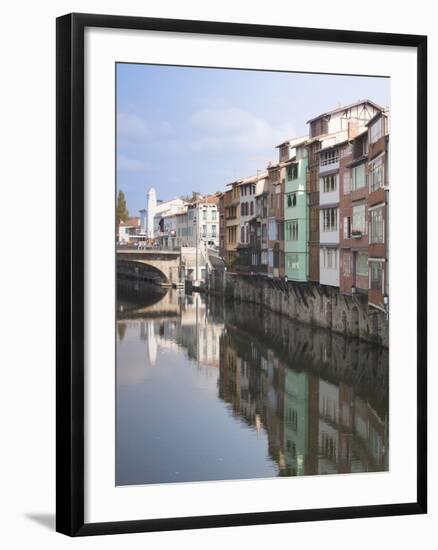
356, 234
329, 237
328, 165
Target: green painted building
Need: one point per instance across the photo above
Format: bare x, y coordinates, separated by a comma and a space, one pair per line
296, 213
296, 422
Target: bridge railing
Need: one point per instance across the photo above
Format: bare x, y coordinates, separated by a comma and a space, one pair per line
143, 246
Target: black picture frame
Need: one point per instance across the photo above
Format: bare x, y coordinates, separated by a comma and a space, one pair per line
70, 272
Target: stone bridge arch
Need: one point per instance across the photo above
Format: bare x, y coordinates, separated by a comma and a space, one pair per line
164, 264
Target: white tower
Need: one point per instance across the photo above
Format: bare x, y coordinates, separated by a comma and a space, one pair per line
151, 207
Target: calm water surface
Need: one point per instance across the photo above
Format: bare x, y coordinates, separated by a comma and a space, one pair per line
208, 391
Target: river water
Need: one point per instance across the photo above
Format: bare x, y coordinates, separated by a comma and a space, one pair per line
215, 391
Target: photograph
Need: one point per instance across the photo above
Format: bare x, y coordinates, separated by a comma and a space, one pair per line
252, 258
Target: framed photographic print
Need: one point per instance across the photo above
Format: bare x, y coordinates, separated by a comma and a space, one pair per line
241, 274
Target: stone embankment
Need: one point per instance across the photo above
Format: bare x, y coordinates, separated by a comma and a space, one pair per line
309, 303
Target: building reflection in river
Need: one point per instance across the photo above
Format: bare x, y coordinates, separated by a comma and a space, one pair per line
320, 401
314, 426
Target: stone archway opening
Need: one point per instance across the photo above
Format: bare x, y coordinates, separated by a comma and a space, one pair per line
141, 271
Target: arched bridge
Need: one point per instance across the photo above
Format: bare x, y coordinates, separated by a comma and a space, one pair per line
166, 263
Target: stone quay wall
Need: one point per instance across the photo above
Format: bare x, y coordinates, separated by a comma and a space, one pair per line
310, 303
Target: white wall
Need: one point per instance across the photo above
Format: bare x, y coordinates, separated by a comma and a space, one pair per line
329, 275
27, 406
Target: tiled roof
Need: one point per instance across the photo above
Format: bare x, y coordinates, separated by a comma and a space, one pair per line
344, 107
131, 222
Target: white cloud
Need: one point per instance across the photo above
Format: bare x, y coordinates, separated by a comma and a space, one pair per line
127, 164
232, 128
132, 126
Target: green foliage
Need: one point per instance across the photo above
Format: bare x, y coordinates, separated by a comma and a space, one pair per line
121, 210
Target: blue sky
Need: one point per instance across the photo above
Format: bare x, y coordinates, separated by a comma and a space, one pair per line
183, 129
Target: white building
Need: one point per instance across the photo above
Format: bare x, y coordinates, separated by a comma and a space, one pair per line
196, 225
129, 231
150, 216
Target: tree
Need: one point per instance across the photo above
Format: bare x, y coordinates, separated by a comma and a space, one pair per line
121, 211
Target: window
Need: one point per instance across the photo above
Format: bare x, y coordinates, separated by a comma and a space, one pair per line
358, 177
347, 181
204, 230
329, 183
359, 225
242, 234
213, 231
270, 258
292, 262
376, 226
272, 230
204, 214
347, 227
213, 214
330, 219
376, 275
377, 130
292, 171
252, 208
292, 230
346, 264
360, 146
330, 258
291, 200
376, 173
362, 264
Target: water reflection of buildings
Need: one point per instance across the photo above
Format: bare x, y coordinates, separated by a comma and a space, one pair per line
191, 328
322, 400
314, 425
147, 334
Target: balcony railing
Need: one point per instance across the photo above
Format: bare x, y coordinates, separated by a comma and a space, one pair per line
325, 165
325, 162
